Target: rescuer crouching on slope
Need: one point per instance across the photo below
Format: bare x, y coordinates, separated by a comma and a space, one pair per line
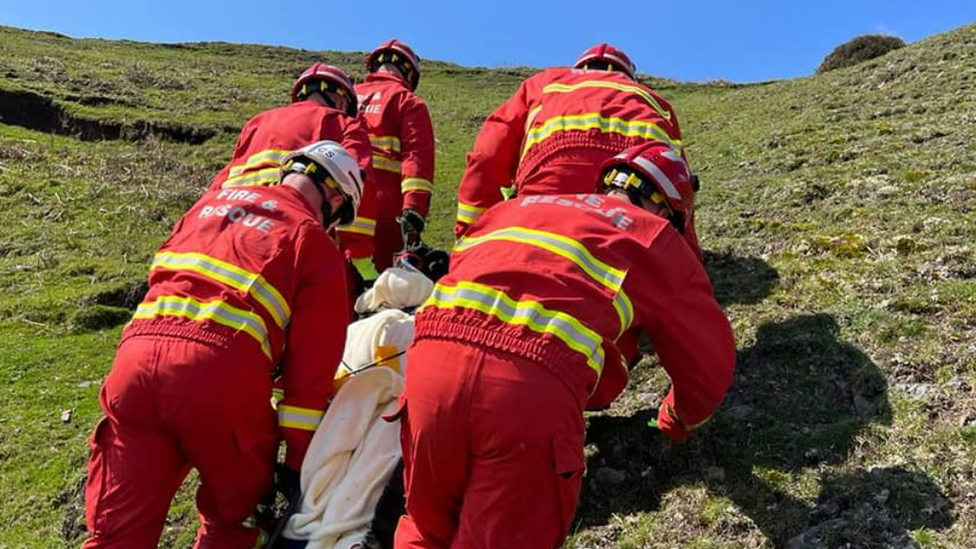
323, 107
560, 126
403, 147
247, 286
538, 293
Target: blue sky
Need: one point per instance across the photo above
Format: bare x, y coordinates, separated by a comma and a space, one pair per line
744, 41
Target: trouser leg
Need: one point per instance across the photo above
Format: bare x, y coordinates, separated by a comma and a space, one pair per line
135, 469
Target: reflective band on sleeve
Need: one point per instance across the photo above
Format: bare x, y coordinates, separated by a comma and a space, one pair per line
468, 213
569, 88
625, 311
295, 417
360, 225
531, 117
565, 247
250, 283
390, 143
267, 176
215, 311
593, 121
531, 314
385, 164
277, 395
416, 184
272, 157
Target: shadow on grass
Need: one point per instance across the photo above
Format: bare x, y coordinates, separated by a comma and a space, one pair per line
801, 399
738, 279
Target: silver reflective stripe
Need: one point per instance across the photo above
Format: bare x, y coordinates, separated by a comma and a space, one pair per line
666, 185
217, 311
269, 155
558, 244
625, 311
231, 275
629, 128
266, 176
527, 313
295, 417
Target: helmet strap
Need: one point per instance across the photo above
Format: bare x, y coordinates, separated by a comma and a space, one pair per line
320, 176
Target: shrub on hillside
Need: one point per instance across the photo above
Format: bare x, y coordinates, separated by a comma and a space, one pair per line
859, 50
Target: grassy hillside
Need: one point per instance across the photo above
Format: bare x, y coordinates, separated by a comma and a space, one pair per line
838, 211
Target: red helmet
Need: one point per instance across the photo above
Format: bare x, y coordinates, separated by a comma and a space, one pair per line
608, 54
655, 171
325, 78
400, 55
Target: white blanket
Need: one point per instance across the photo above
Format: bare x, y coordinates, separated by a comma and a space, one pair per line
354, 451
395, 289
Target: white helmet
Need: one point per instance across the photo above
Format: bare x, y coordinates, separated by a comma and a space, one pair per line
328, 159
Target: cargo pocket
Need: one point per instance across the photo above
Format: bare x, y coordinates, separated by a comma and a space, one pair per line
97, 476
569, 467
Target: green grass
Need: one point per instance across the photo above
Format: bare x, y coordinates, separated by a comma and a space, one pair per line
839, 215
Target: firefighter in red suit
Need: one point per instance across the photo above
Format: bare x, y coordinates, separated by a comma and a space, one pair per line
323, 106
552, 136
247, 285
540, 290
403, 146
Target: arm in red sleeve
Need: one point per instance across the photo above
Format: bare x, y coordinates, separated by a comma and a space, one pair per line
417, 149
494, 160
357, 239
673, 299
315, 341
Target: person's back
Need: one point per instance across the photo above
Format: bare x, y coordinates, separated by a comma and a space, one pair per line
563, 277
402, 137
270, 135
577, 109
323, 107
553, 134
235, 250
523, 334
248, 286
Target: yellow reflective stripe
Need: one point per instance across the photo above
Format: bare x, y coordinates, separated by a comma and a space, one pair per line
416, 184
569, 88
383, 163
563, 246
531, 117
468, 213
360, 225
277, 395
215, 311
267, 156
605, 275
593, 121
267, 176
296, 417
250, 283
389, 143
625, 311
531, 314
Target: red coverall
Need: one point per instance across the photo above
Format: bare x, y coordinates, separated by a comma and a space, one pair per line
403, 156
248, 281
272, 134
552, 136
539, 291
